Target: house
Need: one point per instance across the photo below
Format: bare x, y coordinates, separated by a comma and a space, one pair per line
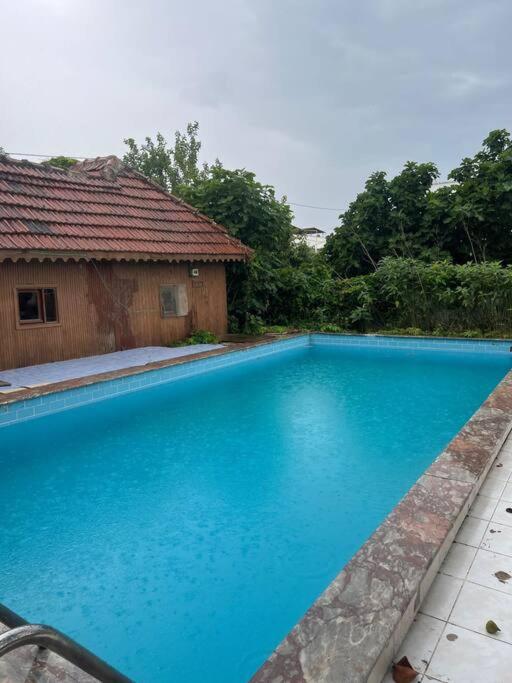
313, 237
97, 259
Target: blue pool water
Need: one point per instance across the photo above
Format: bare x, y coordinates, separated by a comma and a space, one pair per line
181, 531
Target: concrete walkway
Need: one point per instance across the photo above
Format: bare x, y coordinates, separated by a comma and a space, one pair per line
448, 641
49, 373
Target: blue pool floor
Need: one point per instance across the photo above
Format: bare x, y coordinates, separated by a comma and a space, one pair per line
181, 531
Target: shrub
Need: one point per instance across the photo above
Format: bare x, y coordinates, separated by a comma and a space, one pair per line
440, 298
200, 337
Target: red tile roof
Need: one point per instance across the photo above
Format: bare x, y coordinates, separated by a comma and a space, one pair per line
101, 209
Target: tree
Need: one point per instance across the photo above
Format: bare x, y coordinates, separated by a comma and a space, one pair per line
248, 209
171, 167
252, 213
479, 210
468, 221
360, 241
61, 162
390, 217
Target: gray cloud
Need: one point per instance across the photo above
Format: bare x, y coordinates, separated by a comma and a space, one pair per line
312, 95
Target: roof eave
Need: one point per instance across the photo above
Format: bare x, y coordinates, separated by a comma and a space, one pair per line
47, 255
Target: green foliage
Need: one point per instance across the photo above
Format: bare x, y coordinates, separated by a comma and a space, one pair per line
172, 167
61, 162
248, 209
330, 327
405, 259
390, 217
479, 209
252, 213
466, 221
439, 298
276, 329
200, 337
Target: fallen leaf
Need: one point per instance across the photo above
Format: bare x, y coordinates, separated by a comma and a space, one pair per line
492, 627
502, 576
403, 672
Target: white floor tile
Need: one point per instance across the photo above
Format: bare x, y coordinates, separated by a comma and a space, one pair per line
498, 539
507, 446
483, 507
505, 458
492, 488
507, 492
500, 471
485, 567
467, 657
501, 516
472, 531
421, 640
477, 604
458, 560
441, 597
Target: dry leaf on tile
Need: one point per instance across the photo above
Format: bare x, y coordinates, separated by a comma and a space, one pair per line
403, 671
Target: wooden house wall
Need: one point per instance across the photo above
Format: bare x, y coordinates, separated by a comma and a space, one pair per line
106, 306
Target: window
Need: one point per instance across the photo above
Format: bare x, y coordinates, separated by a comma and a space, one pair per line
173, 301
37, 306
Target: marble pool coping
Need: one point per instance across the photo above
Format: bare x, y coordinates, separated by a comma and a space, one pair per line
352, 631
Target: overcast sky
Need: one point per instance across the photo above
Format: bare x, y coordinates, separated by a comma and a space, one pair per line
313, 95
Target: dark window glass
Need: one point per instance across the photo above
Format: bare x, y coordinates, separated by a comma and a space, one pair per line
30, 306
50, 306
37, 305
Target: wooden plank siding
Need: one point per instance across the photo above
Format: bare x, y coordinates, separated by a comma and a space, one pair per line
106, 306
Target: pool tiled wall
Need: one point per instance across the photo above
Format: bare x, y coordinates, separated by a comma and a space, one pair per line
413, 343
62, 400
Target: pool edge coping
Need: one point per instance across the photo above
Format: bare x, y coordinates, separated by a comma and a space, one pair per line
353, 630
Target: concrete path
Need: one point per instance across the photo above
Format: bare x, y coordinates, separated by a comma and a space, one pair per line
48, 373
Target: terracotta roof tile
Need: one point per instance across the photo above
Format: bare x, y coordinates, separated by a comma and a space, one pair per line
102, 206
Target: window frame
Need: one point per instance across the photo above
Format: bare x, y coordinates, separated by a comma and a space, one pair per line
167, 316
40, 322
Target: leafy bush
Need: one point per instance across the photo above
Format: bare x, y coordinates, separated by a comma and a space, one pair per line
200, 337
439, 298
276, 329
330, 327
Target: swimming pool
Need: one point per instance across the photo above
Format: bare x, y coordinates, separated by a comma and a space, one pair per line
180, 531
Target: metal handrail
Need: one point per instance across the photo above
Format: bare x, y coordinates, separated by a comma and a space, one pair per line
57, 642
10, 618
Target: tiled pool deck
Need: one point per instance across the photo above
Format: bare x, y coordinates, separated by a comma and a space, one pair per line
448, 641
354, 629
62, 371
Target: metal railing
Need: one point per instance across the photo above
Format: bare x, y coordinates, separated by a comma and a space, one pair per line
22, 633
